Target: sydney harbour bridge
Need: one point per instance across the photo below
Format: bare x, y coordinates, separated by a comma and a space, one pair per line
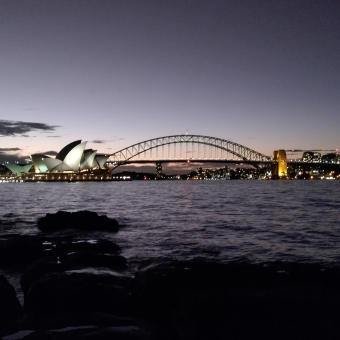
197, 149
186, 148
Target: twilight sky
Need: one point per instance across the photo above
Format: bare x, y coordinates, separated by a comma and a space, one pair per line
265, 74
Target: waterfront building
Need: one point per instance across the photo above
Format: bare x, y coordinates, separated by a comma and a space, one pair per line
330, 158
311, 157
72, 158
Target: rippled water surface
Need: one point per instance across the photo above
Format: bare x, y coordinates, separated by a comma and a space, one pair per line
258, 221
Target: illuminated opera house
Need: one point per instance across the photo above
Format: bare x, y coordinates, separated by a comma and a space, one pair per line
71, 160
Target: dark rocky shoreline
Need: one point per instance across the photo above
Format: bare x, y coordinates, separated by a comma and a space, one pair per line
84, 289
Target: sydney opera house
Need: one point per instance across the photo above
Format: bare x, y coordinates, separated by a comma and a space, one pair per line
70, 160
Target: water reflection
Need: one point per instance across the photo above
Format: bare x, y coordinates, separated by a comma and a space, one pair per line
222, 220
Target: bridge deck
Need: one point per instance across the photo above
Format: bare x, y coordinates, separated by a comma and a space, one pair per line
212, 160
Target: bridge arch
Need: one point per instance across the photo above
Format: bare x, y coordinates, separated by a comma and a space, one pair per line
242, 152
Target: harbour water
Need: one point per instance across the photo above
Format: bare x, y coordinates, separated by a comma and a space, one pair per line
255, 221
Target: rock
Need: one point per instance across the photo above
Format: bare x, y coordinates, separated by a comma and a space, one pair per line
73, 319
85, 220
92, 259
60, 262
80, 291
10, 308
129, 332
191, 300
38, 269
99, 246
20, 250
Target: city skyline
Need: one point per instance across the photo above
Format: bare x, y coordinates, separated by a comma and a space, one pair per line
264, 75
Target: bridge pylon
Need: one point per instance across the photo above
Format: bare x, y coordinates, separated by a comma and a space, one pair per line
279, 167
159, 170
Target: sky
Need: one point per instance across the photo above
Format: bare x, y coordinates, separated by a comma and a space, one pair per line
264, 74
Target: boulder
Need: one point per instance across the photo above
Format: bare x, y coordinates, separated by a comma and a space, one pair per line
99, 246
38, 269
60, 261
90, 332
93, 259
10, 308
72, 319
191, 300
85, 220
80, 291
20, 251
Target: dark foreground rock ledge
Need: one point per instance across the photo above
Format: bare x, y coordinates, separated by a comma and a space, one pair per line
83, 289
197, 300
10, 308
185, 300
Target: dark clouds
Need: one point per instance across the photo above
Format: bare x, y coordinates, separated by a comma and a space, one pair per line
11, 158
98, 141
9, 128
103, 141
6, 153
50, 153
9, 149
12, 155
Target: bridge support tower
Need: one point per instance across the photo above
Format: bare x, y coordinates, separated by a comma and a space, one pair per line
279, 168
159, 170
